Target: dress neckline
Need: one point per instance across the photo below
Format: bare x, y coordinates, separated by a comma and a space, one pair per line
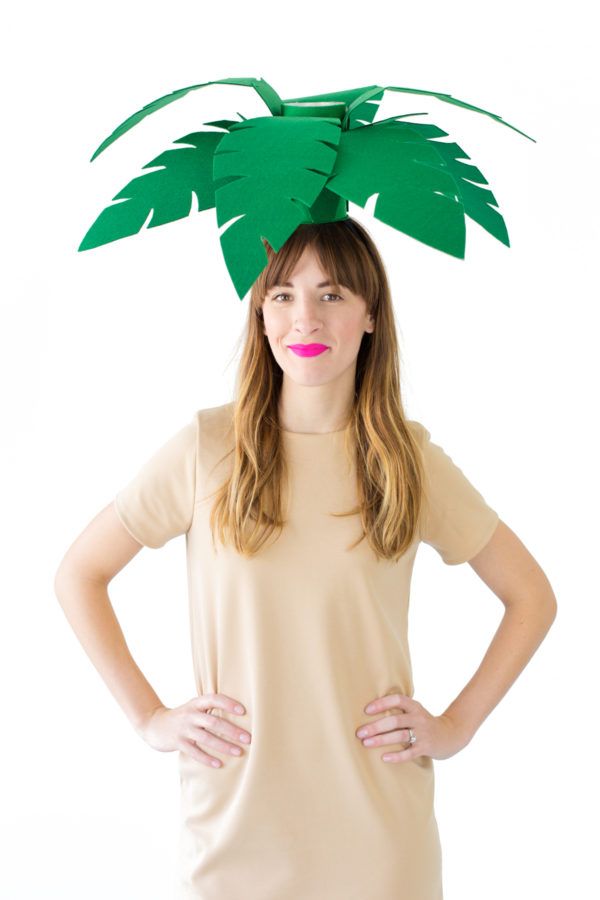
312, 434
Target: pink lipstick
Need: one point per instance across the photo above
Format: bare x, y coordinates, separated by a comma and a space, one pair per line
308, 349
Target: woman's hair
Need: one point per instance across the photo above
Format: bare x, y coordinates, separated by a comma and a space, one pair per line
248, 508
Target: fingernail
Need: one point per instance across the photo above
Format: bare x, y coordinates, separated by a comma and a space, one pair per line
239, 709
362, 732
370, 707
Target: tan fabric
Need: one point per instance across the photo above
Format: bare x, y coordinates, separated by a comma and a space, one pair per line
304, 635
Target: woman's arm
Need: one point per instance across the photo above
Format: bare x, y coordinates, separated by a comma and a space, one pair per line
81, 585
513, 574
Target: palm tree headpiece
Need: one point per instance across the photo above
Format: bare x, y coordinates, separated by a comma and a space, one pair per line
302, 164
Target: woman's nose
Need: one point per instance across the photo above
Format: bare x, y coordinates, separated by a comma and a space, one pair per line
307, 317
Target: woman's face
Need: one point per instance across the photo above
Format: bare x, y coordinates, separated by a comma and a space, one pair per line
307, 311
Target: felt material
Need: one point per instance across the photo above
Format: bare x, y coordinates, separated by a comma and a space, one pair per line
303, 163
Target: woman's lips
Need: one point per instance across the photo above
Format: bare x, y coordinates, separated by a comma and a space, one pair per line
308, 349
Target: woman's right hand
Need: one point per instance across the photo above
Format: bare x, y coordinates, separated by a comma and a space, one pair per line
185, 727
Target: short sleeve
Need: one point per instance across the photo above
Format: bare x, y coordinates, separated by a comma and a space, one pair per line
158, 503
455, 518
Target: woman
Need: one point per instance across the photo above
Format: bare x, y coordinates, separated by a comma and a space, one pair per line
305, 760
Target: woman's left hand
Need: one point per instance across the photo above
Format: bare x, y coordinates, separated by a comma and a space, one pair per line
436, 736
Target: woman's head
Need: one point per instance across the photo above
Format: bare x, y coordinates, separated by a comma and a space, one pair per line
312, 310
362, 335
358, 328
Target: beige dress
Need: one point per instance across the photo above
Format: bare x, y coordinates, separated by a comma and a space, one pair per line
304, 635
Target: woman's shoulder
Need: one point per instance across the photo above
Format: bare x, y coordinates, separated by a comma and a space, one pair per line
215, 417
214, 429
418, 431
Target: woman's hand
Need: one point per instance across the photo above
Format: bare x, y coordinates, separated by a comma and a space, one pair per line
185, 727
436, 736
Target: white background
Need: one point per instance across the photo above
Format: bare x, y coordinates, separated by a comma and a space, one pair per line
106, 353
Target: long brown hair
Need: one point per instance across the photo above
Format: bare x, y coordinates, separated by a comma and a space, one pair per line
248, 508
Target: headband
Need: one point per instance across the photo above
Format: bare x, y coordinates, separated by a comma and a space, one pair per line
302, 164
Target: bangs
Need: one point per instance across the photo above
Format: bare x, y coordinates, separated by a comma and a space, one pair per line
342, 254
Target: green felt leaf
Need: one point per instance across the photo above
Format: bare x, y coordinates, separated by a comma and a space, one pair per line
477, 202
268, 172
167, 191
422, 186
225, 124
374, 91
263, 89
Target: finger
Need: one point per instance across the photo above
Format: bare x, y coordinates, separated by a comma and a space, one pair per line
191, 749
201, 736
400, 755
222, 701
389, 700
401, 736
221, 726
387, 723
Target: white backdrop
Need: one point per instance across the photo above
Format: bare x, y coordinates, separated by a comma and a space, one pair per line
106, 353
